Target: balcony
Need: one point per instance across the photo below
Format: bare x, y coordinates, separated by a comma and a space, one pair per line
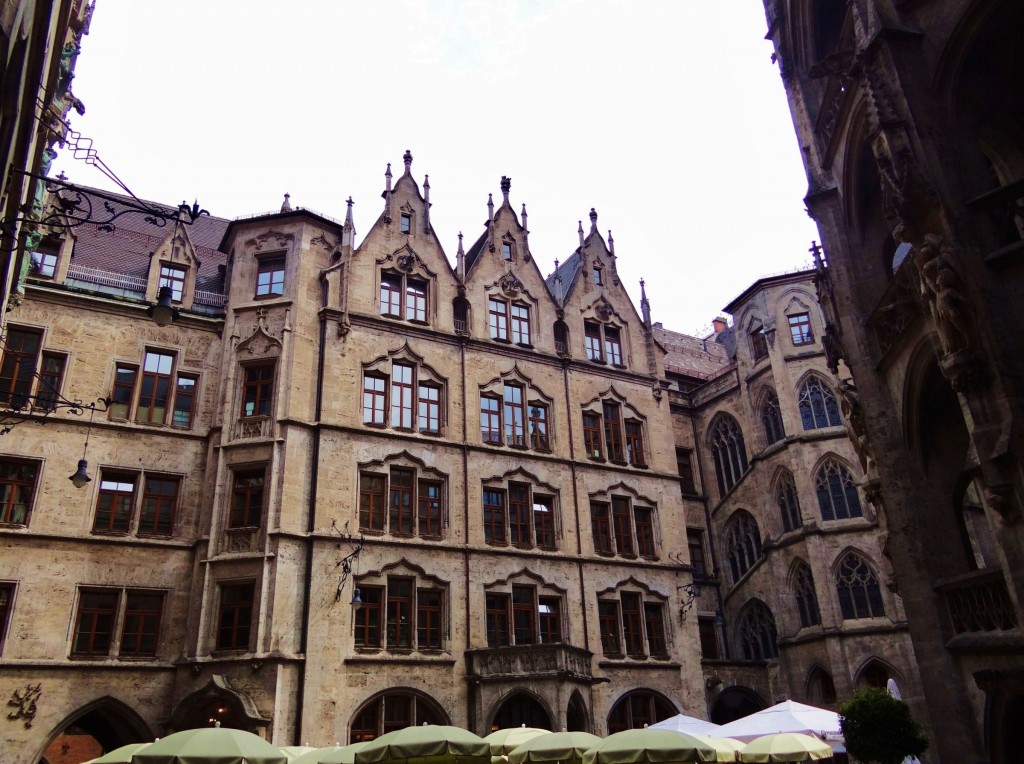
251, 427
240, 540
978, 602
532, 661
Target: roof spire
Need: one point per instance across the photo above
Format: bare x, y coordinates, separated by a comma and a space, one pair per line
426, 203
611, 243
407, 158
525, 231
593, 220
286, 205
490, 209
581, 234
460, 260
558, 285
506, 186
348, 231
645, 306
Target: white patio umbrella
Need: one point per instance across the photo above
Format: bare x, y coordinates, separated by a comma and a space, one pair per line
688, 724
787, 716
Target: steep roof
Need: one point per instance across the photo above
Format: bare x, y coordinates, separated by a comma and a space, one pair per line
692, 356
568, 271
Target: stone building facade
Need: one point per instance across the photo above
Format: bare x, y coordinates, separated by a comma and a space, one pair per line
352, 487
910, 117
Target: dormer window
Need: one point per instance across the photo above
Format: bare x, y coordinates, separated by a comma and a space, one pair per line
758, 343
174, 277
403, 297
270, 277
800, 329
506, 251
44, 259
603, 343
405, 223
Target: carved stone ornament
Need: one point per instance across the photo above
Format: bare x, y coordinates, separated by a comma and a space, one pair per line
856, 426
261, 342
406, 263
510, 285
24, 704
324, 243
604, 311
272, 239
942, 290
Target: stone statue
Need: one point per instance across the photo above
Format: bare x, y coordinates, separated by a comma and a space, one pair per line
856, 426
942, 289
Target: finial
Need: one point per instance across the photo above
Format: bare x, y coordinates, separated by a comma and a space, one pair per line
426, 203
490, 209
525, 231
645, 306
460, 261
815, 251
62, 177
407, 158
348, 213
286, 205
387, 178
426, 183
593, 220
611, 243
556, 267
506, 186
581, 234
460, 250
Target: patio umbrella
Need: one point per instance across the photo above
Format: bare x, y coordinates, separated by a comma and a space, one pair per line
688, 724
346, 754
785, 746
566, 747
647, 746
210, 745
313, 756
122, 755
504, 740
427, 744
725, 747
788, 716
295, 751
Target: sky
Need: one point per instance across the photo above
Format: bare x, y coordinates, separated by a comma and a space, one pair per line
667, 117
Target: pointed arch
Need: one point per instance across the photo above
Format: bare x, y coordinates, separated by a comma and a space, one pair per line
756, 634
857, 588
521, 708
838, 497
875, 672
395, 708
817, 403
725, 438
577, 717
801, 580
787, 500
111, 722
639, 708
742, 543
820, 687
771, 417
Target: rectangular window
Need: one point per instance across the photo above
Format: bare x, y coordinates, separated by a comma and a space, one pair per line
497, 606
429, 412
684, 466
622, 527
497, 319
155, 391
592, 341
539, 428
184, 401
654, 619
490, 419
115, 503
428, 619
613, 432
402, 482
643, 519
550, 618
51, 375
270, 277
258, 390
173, 277
612, 345
506, 251
391, 295
234, 617
520, 324
94, 624
800, 329
602, 528
519, 510
17, 485
141, 630
399, 624
544, 521
632, 625
415, 300
373, 400
695, 542
368, 616
592, 435
708, 639
18, 367
598, 280
494, 516
405, 223
6, 607
515, 417
401, 396
758, 344
124, 390
159, 504
44, 259
608, 620
430, 509
523, 609
635, 443
247, 500
371, 502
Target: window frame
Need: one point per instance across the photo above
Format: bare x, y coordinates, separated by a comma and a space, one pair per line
633, 625
8, 593
261, 389
121, 510
241, 515
270, 276
242, 613
124, 623
404, 297
511, 516
516, 616
401, 613
800, 330
175, 277
378, 491
498, 319
8, 502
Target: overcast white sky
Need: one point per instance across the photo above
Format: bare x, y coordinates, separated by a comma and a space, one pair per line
668, 117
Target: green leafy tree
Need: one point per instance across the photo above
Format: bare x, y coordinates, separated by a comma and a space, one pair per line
879, 728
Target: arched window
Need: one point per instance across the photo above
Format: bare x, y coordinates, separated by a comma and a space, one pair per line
637, 710
837, 492
728, 451
821, 690
806, 597
758, 639
771, 419
393, 711
818, 406
789, 505
858, 590
743, 543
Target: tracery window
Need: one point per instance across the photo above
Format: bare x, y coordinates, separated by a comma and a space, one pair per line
857, 588
403, 501
756, 632
632, 623
401, 613
771, 419
515, 415
789, 505
519, 514
806, 596
623, 527
800, 329
742, 543
391, 711
728, 452
637, 710
818, 406
404, 395
837, 492
403, 297
758, 343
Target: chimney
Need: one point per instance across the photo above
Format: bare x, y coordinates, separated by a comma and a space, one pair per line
720, 324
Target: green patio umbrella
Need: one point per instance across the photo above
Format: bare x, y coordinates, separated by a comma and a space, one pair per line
504, 740
295, 751
557, 747
313, 757
727, 748
427, 744
785, 747
210, 745
346, 754
650, 746
122, 755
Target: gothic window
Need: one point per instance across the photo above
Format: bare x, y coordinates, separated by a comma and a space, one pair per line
45, 259
138, 612
728, 452
623, 527
821, 690
506, 251
121, 509
742, 543
837, 492
258, 390
603, 343
392, 711
402, 613
709, 645
789, 505
523, 615
247, 499
520, 319
858, 590
509, 321
155, 391
698, 557
632, 624
17, 487
404, 395
6, 605
800, 329
598, 278
756, 633
818, 406
806, 597
405, 223
684, 466
269, 277
519, 514
403, 297
771, 419
515, 415
402, 501
758, 343
616, 432
637, 710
